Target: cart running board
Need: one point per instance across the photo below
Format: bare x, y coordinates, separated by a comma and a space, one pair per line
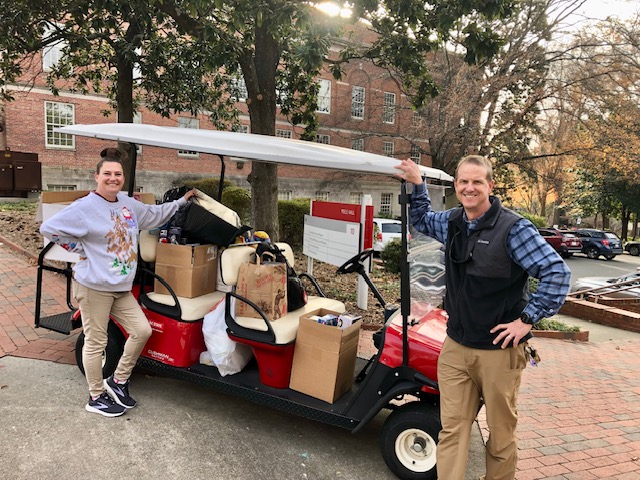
62, 323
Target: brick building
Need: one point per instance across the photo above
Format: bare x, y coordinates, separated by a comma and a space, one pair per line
364, 111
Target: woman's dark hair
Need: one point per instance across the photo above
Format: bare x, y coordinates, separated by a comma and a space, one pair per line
110, 154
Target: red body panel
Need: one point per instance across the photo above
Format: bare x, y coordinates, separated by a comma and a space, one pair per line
425, 341
174, 342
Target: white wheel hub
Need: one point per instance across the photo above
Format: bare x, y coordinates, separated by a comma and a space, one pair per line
416, 450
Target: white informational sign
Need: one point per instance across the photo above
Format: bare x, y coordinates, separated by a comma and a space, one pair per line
330, 241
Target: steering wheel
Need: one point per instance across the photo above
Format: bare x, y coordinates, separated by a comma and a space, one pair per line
351, 265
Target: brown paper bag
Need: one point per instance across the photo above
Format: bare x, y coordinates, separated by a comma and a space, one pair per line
265, 284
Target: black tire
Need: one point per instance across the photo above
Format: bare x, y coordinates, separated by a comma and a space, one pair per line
634, 250
112, 353
609, 256
409, 441
567, 255
593, 253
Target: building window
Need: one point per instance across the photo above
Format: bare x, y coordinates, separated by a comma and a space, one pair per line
59, 115
52, 53
356, 197
283, 133
187, 122
357, 102
324, 196
324, 96
416, 120
321, 138
357, 144
239, 88
285, 195
137, 119
415, 153
385, 203
388, 149
389, 111
240, 128
52, 187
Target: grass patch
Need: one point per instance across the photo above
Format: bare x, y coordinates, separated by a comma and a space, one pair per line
29, 207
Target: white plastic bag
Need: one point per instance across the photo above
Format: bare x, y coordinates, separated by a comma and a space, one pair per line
229, 356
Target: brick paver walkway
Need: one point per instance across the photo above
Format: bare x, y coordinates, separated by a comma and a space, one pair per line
579, 410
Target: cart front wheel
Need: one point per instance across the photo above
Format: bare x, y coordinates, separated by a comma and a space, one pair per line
409, 441
112, 352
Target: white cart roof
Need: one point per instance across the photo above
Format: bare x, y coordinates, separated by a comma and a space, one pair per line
249, 146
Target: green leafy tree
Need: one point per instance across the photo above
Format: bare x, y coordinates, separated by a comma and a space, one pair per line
191, 54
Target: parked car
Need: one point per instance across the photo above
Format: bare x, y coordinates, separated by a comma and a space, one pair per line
565, 243
385, 229
598, 242
624, 286
633, 248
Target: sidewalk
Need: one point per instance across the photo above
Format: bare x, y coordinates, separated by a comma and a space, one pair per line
579, 409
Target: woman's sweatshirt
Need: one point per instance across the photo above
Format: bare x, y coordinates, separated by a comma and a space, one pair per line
105, 235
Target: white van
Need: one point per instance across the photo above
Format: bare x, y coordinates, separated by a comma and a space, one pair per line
385, 229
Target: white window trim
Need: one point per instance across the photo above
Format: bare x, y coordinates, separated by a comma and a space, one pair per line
51, 54
389, 109
321, 137
48, 145
188, 122
324, 97
359, 104
282, 133
385, 202
359, 142
386, 151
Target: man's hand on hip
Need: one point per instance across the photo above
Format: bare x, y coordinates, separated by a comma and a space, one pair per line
510, 332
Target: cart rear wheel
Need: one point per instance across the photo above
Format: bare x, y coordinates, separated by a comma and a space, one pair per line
112, 352
408, 440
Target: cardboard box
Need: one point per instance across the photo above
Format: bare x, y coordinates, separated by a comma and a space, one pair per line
190, 270
324, 359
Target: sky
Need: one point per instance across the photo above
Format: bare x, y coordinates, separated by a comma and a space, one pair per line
600, 9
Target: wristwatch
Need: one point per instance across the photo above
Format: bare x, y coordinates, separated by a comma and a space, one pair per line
525, 318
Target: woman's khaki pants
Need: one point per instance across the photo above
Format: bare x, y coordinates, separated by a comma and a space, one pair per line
464, 376
96, 307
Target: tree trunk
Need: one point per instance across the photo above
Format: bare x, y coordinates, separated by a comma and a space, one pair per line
125, 110
259, 71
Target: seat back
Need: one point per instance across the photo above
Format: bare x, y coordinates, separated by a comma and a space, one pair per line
148, 244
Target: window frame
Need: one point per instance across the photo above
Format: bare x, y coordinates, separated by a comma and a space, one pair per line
324, 100
191, 121
358, 101
389, 108
388, 152
49, 134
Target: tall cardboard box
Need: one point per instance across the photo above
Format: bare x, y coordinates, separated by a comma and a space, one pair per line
324, 359
190, 270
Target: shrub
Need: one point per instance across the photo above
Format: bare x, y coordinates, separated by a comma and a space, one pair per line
547, 324
206, 185
239, 200
535, 219
391, 255
291, 214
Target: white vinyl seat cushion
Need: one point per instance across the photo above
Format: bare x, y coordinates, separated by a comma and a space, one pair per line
286, 328
193, 309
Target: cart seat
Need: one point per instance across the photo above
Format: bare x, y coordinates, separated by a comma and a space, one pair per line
272, 343
193, 309
286, 327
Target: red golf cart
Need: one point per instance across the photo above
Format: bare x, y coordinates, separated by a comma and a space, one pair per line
400, 377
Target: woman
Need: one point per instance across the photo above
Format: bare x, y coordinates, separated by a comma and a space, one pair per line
103, 229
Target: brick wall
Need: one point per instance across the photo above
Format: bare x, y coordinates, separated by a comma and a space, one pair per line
603, 314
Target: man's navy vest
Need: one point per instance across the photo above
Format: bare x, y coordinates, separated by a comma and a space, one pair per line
484, 286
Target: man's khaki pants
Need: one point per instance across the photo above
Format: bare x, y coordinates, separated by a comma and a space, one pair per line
465, 375
96, 307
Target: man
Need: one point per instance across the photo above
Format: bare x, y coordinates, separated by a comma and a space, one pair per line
490, 252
